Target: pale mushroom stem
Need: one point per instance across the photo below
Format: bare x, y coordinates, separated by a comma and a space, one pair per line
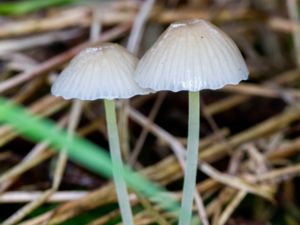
191, 163
117, 164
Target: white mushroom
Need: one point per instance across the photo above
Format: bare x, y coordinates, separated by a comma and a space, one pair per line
191, 55
103, 72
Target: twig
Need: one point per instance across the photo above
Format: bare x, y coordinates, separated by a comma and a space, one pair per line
152, 211
232, 101
231, 207
279, 174
138, 26
64, 19
223, 197
255, 90
225, 104
235, 182
23, 196
285, 151
8, 46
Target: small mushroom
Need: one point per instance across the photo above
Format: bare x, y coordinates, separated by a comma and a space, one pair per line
104, 72
191, 55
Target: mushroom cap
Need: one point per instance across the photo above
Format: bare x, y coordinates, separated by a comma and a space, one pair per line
103, 72
191, 55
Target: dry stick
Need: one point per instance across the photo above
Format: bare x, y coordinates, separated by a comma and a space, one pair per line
138, 26
223, 197
28, 196
56, 61
216, 215
255, 90
64, 19
152, 211
25, 210
225, 104
260, 163
227, 193
282, 24
285, 151
279, 174
28, 90
293, 10
167, 170
235, 182
233, 167
9, 46
231, 207
141, 139
106, 218
230, 102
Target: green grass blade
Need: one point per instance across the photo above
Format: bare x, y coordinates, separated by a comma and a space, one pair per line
27, 6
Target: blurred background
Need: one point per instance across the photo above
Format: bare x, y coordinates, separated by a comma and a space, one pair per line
249, 144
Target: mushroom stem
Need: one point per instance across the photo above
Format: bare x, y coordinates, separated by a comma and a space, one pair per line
117, 164
191, 159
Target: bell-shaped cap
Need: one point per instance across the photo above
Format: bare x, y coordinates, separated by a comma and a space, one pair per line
103, 72
191, 55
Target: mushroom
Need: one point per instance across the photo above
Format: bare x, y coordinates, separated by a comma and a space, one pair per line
191, 55
104, 72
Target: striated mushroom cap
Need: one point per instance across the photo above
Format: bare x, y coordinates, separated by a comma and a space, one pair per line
191, 55
103, 72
